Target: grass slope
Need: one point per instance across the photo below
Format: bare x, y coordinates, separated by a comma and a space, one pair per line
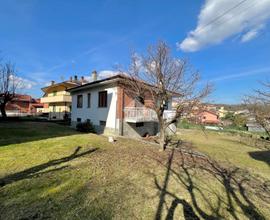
50, 171
226, 147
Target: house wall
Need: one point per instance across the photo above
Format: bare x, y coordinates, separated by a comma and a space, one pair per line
132, 129
207, 117
59, 107
96, 114
117, 100
20, 106
148, 128
59, 111
56, 107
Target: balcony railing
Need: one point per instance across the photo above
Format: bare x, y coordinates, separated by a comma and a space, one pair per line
57, 98
142, 114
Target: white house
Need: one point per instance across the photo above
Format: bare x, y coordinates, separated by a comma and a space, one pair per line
111, 110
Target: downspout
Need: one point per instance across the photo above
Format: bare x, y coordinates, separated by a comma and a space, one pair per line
122, 113
115, 118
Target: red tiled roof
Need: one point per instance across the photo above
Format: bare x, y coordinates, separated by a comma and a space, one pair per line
208, 112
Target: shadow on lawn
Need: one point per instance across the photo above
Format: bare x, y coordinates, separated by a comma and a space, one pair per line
36, 170
261, 155
16, 132
237, 185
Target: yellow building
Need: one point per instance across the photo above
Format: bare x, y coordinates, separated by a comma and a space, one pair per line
56, 100
222, 112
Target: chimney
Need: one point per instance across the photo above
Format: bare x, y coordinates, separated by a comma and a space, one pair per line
82, 79
94, 75
70, 79
75, 77
52, 82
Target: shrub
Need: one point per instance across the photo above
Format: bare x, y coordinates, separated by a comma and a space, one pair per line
86, 126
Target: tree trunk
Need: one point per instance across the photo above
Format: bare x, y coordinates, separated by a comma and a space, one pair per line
3, 110
162, 137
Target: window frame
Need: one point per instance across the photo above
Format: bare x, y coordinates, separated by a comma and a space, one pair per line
78, 104
89, 100
102, 102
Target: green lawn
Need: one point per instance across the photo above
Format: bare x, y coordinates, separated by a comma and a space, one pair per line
48, 171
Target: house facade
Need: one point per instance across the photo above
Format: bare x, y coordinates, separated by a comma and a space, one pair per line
108, 107
207, 117
57, 100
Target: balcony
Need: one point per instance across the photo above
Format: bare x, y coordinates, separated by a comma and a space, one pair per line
142, 114
57, 98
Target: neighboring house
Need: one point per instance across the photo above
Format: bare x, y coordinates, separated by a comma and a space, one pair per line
207, 117
254, 127
242, 112
57, 100
210, 107
108, 107
22, 105
222, 112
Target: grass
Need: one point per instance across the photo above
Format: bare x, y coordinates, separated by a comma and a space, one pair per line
227, 148
50, 171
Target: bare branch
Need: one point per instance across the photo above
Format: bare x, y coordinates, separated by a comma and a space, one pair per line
259, 106
159, 77
8, 84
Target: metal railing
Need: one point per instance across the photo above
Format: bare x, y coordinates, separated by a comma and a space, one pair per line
143, 114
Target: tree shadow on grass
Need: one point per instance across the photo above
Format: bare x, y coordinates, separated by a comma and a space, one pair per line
36, 170
237, 186
17, 132
261, 155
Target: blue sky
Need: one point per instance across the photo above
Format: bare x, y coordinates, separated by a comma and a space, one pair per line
52, 40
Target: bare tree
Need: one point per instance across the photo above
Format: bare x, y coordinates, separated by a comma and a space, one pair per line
259, 106
159, 77
8, 85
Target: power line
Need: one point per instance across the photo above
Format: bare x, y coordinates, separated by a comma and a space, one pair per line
221, 15
241, 12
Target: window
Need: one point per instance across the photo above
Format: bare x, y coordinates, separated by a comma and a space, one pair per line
88, 120
102, 123
139, 124
54, 93
79, 101
54, 108
166, 105
102, 99
79, 119
140, 99
88, 100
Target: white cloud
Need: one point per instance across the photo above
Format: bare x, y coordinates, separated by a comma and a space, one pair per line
22, 83
221, 19
250, 35
107, 73
103, 74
